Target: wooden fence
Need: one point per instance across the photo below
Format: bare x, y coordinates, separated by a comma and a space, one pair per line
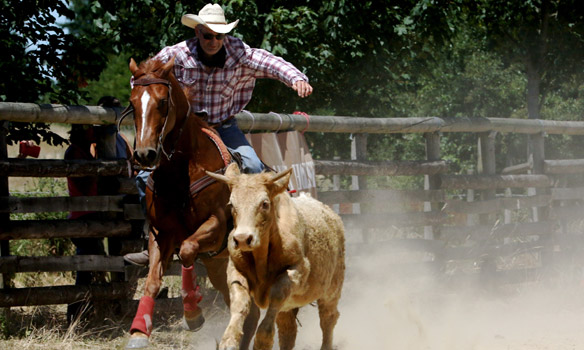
481, 219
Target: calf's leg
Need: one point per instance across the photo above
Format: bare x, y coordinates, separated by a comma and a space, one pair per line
217, 272
249, 326
328, 313
279, 292
239, 307
287, 329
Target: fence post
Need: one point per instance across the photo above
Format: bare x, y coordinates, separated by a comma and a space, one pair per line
359, 153
4, 192
487, 166
537, 151
471, 219
432, 182
337, 187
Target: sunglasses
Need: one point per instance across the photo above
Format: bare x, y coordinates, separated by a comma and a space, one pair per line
209, 36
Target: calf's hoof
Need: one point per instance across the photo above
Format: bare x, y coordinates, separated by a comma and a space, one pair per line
137, 341
193, 320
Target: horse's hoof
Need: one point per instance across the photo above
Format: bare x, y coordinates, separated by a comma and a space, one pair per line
137, 343
193, 324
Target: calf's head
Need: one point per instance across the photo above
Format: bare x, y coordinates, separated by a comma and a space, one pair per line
253, 201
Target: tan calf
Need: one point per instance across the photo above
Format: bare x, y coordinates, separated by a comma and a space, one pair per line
284, 253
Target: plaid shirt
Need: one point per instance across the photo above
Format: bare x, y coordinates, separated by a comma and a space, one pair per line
224, 92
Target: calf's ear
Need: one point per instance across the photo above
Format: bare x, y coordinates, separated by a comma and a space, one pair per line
232, 170
279, 182
230, 173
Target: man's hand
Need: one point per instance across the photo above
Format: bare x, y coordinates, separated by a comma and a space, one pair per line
302, 87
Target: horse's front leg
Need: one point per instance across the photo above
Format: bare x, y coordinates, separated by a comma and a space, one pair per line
160, 254
203, 238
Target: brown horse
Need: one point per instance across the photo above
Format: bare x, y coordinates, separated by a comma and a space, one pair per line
186, 209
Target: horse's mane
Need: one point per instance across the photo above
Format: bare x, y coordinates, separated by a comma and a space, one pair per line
153, 66
150, 66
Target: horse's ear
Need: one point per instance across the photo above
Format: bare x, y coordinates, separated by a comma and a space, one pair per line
280, 180
168, 66
133, 66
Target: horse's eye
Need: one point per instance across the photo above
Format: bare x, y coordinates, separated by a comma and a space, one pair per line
266, 205
162, 103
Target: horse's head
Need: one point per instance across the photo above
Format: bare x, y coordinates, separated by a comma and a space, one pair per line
152, 100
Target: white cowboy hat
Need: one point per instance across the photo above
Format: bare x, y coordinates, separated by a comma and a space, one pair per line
212, 17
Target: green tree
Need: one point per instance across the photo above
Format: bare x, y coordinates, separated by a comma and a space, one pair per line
544, 37
41, 62
114, 80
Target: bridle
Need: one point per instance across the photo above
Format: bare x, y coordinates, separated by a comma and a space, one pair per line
130, 110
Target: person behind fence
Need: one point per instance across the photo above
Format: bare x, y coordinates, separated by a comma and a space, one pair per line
123, 148
109, 185
219, 72
82, 139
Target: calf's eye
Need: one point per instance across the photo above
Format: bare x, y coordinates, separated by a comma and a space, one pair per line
266, 205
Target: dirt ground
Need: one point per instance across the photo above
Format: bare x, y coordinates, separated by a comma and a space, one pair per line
380, 309
387, 311
383, 312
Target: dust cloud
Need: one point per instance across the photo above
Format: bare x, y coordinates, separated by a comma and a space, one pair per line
387, 306
391, 306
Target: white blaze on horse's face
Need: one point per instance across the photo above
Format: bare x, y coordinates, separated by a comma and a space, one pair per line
144, 100
147, 132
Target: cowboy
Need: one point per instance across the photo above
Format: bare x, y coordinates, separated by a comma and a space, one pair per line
219, 73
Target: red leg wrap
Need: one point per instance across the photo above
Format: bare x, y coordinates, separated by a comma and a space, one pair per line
190, 291
143, 320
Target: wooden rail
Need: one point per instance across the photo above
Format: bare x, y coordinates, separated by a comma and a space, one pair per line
50, 113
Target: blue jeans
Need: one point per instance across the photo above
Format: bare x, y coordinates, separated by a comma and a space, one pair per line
234, 139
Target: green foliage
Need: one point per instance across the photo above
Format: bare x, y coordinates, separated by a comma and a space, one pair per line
40, 61
30, 44
545, 39
113, 81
